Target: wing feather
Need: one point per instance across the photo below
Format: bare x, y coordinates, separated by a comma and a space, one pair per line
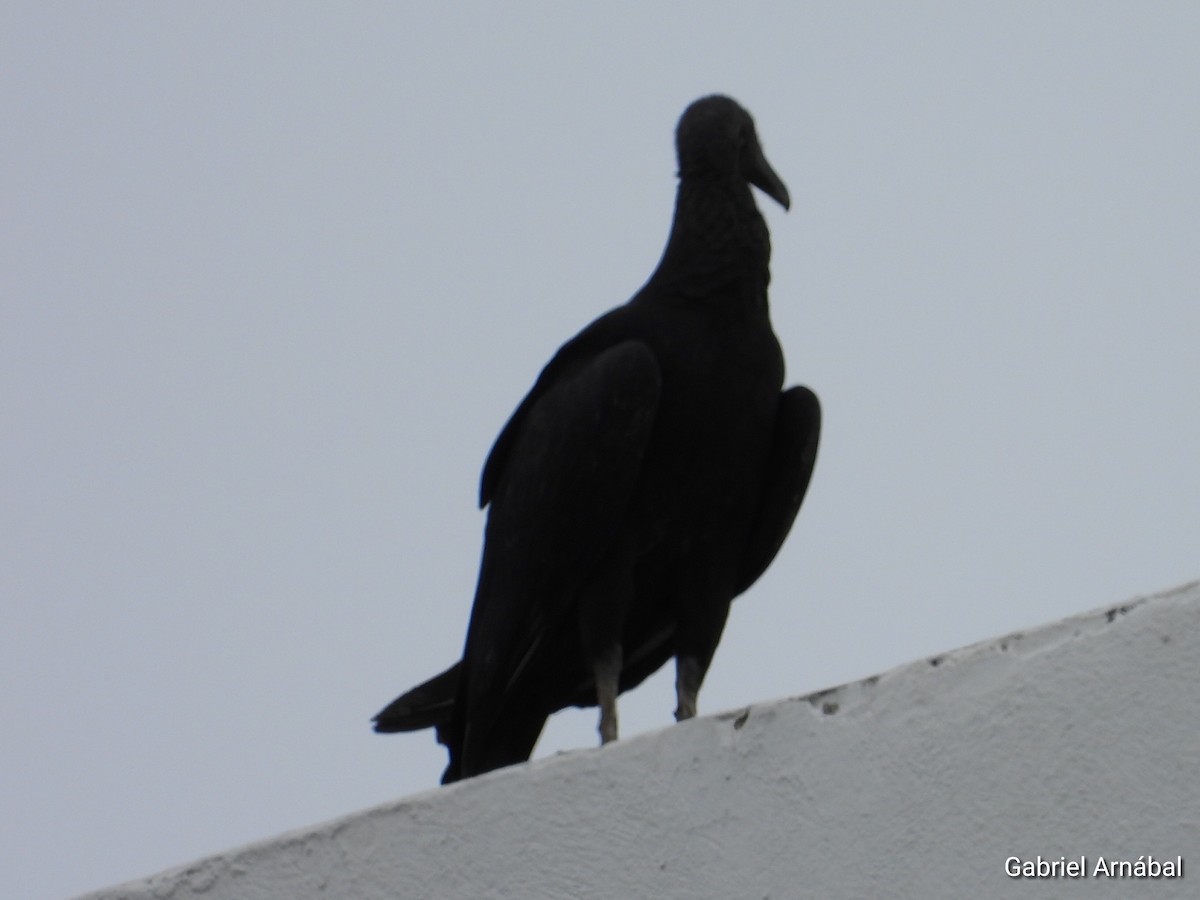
571, 459
789, 469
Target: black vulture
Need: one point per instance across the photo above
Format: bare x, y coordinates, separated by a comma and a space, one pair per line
648, 478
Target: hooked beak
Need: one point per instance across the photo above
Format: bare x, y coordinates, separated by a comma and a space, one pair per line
763, 177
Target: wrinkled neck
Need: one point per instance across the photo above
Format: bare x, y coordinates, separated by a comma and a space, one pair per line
719, 246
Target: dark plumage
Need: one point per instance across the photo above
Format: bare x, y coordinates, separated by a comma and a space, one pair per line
649, 477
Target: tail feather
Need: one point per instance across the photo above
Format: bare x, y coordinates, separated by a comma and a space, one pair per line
428, 705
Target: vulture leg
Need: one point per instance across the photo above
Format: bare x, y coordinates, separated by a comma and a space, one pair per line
608, 676
688, 676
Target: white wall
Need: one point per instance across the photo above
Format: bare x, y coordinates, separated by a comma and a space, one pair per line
1079, 738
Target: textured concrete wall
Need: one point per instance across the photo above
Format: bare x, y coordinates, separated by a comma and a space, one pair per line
1077, 739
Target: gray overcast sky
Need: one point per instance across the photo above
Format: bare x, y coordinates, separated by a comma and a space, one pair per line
275, 274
